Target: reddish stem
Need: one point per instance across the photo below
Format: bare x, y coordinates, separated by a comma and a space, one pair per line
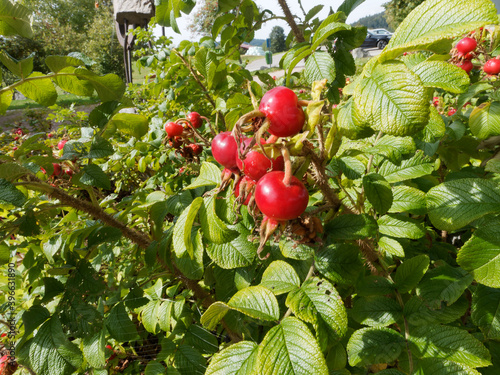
288, 166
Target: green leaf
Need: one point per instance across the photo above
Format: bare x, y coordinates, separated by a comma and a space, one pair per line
131, 124
201, 339
93, 349
214, 314
181, 239
68, 81
442, 75
293, 250
240, 252
214, 229
315, 299
329, 27
119, 324
257, 302
21, 68
350, 122
51, 247
149, 316
290, 349
374, 345
10, 194
191, 267
450, 343
154, 368
374, 285
209, 175
484, 121
417, 166
378, 192
391, 246
486, 311
393, 99
435, 129
443, 284
93, 175
408, 199
280, 277
454, 204
51, 353
410, 272
481, 257
438, 366
473, 90
351, 227
418, 313
349, 5
57, 63
109, 87
15, 19
319, 65
340, 263
12, 171
5, 100
100, 148
40, 90
4, 254
400, 226
376, 311
437, 19
237, 359
189, 361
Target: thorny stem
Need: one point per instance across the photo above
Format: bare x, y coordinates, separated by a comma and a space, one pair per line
136, 236
209, 125
299, 36
321, 178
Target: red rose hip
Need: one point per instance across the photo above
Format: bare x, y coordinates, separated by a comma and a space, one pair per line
195, 119
224, 150
467, 66
492, 66
255, 165
279, 201
466, 45
61, 144
173, 129
280, 105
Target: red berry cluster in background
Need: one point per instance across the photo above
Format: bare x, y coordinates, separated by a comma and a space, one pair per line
181, 134
262, 168
472, 47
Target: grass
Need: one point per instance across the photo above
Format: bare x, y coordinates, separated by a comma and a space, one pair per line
63, 100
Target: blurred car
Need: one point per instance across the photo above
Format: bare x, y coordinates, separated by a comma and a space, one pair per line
377, 39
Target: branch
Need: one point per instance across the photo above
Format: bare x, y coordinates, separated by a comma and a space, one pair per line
291, 21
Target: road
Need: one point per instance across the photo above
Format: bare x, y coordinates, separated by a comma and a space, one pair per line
260, 64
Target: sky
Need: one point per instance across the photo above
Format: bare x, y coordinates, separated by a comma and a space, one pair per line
369, 7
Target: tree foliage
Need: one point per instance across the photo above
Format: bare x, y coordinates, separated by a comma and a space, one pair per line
203, 18
128, 250
397, 10
376, 21
277, 36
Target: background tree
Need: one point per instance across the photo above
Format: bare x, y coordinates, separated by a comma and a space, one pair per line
375, 21
277, 37
203, 18
397, 10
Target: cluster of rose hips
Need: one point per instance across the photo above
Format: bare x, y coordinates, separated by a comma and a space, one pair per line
181, 133
467, 49
263, 168
58, 168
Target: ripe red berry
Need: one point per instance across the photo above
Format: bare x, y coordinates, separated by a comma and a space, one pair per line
57, 169
19, 131
285, 115
256, 165
4, 334
195, 119
466, 45
50, 135
466, 65
14, 148
16, 138
61, 144
197, 149
173, 129
224, 150
492, 66
279, 201
452, 111
69, 172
